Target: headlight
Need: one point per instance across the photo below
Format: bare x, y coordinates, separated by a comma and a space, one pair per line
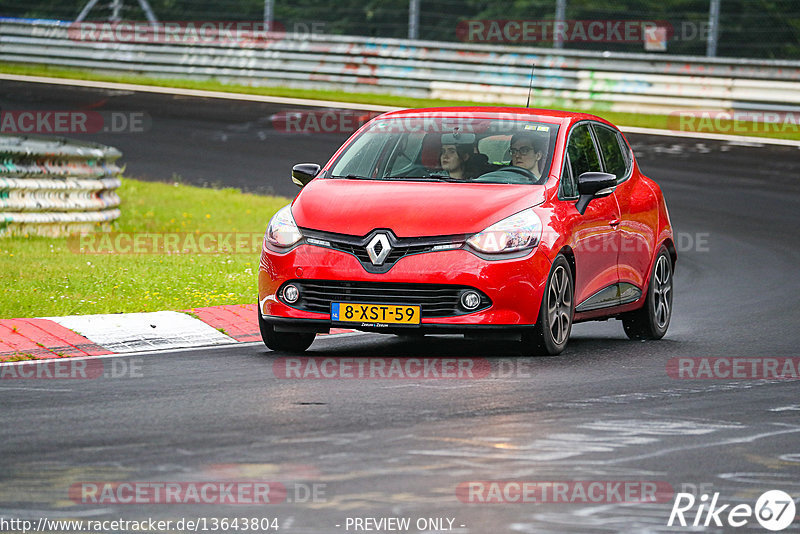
282, 230
521, 230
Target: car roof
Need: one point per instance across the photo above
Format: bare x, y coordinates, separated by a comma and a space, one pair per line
488, 112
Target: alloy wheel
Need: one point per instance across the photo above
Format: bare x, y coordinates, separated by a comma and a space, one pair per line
662, 292
559, 305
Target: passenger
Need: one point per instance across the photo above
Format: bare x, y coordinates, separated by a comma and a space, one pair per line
454, 158
527, 151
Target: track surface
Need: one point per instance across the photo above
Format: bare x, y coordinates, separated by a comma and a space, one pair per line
604, 410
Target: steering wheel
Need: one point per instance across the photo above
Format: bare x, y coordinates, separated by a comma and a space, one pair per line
522, 171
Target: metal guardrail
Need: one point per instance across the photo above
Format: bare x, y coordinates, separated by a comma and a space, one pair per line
56, 187
481, 73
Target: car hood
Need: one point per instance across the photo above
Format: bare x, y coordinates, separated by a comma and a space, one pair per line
409, 209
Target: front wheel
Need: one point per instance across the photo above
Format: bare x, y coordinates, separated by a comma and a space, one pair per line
554, 324
284, 341
652, 320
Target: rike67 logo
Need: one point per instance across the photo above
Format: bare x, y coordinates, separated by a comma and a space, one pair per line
774, 510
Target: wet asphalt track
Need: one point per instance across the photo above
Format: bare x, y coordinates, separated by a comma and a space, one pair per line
604, 410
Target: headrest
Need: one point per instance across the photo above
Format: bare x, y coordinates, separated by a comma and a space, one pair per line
431, 149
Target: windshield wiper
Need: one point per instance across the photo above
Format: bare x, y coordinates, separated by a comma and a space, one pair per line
428, 178
353, 177
356, 177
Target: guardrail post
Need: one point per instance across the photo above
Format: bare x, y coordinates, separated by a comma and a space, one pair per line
713, 28
268, 10
413, 19
561, 14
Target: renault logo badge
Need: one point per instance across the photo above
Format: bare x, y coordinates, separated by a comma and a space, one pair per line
378, 248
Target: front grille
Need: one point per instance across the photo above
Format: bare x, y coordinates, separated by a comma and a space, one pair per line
436, 300
400, 247
398, 252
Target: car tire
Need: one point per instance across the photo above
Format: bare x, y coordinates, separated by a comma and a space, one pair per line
284, 341
550, 335
651, 321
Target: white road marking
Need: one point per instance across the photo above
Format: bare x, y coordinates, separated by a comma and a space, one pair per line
195, 92
712, 445
32, 388
427, 386
176, 350
792, 408
736, 139
784, 479
135, 332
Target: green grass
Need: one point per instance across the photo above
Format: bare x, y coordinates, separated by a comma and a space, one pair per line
616, 117
42, 276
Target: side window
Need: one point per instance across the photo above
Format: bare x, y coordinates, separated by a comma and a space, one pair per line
569, 187
361, 157
582, 156
626, 152
405, 154
612, 152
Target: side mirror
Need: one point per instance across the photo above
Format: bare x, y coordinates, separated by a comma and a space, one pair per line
302, 173
593, 185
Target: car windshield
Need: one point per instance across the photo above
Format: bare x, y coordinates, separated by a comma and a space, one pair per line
451, 149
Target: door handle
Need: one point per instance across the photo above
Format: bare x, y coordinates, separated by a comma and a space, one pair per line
614, 223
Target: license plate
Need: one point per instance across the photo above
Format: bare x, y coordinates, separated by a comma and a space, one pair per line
354, 312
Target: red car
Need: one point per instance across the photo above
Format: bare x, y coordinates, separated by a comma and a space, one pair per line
470, 220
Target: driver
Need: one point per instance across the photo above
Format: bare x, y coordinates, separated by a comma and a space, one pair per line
527, 151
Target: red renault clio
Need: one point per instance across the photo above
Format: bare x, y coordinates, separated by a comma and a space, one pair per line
470, 220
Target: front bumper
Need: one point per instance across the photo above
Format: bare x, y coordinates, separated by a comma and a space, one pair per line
514, 286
